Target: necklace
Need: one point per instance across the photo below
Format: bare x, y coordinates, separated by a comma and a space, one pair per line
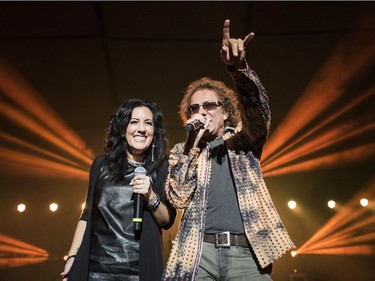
136, 164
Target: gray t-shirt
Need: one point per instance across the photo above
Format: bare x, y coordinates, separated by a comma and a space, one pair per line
223, 212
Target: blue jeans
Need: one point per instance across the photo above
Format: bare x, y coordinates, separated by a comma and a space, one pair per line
229, 264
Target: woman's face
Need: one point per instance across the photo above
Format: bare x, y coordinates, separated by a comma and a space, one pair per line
139, 133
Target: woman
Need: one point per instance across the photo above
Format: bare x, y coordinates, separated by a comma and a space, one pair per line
105, 245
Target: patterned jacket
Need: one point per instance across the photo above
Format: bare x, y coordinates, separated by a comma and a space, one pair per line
189, 177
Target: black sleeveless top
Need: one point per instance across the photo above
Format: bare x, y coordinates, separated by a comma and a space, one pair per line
114, 250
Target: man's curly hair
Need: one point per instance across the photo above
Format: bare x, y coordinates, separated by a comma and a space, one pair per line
227, 97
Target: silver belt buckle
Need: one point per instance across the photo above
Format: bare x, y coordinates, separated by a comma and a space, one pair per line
222, 245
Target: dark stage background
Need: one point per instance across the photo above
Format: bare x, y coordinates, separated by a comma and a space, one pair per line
79, 60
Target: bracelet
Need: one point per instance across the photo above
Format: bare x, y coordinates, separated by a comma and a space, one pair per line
69, 257
155, 204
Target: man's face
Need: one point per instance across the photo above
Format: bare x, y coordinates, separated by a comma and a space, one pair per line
213, 113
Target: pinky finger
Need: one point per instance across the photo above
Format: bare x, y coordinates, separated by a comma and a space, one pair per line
248, 38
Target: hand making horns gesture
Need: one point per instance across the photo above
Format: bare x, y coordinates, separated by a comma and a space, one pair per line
233, 50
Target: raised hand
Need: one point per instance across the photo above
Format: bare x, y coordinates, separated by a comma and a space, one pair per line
233, 51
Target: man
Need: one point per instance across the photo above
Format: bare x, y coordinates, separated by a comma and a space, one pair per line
230, 229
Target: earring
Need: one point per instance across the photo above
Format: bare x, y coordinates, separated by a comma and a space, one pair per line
152, 152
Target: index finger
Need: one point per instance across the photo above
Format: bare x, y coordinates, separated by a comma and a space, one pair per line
226, 35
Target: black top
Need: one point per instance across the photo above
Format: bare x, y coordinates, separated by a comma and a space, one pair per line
221, 194
150, 243
114, 251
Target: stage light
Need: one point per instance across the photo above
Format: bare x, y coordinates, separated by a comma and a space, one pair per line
65, 257
333, 136
293, 254
292, 204
364, 202
21, 208
23, 119
349, 231
15, 253
53, 207
331, 204
296, 137
25, 107
356, 154
15, 87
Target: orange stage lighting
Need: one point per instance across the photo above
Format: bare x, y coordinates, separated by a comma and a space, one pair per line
350, 250
13, 140
342, 218
25, 121
344, 234
357, 154
16, 262
33, 165
350, 231
329, 138
14, 253
357, 100
325, 89
16, 88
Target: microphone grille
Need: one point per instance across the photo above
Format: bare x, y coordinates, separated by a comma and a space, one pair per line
140, 171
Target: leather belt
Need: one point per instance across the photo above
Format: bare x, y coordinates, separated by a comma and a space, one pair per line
226, 239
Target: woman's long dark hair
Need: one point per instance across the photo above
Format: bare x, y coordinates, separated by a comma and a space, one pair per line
116, 146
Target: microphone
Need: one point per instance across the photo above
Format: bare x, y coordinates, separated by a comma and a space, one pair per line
138, 203
194, 125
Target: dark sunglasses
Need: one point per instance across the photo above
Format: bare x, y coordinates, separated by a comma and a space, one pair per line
207, 105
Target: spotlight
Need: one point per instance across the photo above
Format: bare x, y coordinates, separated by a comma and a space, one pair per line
16, 253
21, 207
293, 254
65, 257
364, 202
331, 204
53, 207
292, 204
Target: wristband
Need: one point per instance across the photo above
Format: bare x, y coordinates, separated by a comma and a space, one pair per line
69, 257
154, 204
